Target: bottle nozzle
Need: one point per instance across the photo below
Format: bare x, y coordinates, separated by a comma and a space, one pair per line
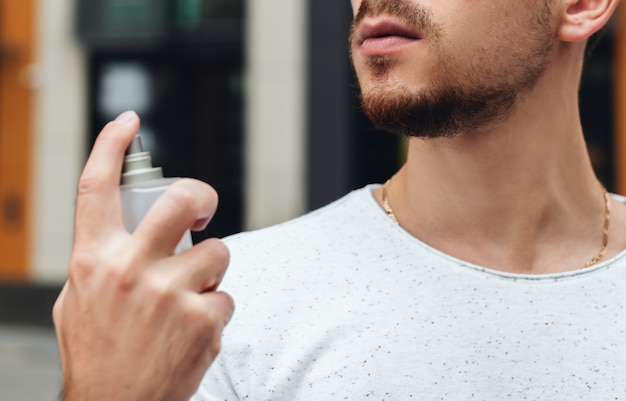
136, 146
138, 164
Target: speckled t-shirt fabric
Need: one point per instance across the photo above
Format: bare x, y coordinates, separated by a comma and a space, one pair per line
342, 304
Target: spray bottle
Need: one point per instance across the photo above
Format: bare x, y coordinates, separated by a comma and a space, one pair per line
141, 185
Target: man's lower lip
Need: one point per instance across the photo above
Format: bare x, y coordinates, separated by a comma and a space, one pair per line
385, 45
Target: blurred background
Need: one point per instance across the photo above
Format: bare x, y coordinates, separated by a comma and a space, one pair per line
255, 97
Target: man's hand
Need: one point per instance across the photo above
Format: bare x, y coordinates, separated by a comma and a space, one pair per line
135, 322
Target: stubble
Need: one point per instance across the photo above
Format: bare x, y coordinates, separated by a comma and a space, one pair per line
457, 100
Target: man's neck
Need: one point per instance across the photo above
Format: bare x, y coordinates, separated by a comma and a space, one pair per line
519, 197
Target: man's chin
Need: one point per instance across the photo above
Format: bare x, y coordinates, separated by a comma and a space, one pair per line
429, 113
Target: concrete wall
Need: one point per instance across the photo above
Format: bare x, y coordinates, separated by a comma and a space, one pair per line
59, 139
275, 111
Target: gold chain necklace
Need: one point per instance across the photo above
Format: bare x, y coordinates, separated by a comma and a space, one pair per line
605, 228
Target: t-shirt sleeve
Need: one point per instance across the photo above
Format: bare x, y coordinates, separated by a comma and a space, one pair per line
218, 382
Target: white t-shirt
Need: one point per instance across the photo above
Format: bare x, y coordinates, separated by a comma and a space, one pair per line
343, 304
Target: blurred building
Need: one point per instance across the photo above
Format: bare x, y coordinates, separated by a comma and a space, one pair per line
255, 97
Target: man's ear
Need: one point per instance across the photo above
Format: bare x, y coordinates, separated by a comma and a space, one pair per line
582, 18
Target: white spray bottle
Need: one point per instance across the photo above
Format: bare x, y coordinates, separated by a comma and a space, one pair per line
141, 185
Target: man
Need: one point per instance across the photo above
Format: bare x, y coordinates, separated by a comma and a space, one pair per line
489, 267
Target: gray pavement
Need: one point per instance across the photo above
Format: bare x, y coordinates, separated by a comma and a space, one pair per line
29, 364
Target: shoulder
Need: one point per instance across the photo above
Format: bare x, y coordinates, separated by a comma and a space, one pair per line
315, 241
324, 224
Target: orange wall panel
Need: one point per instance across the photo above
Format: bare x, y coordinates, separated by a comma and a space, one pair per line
17, 38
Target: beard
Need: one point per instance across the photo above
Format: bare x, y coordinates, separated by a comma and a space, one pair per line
459, 97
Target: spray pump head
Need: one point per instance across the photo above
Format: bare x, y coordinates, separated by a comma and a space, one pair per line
138, 164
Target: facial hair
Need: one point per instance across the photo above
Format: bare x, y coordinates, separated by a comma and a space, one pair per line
457, 100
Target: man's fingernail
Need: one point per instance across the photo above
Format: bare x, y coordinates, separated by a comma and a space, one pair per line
126, 117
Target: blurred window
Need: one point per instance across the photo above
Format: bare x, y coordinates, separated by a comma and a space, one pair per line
131, 22
179, 64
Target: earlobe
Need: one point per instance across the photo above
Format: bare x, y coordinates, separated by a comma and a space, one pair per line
582, 18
